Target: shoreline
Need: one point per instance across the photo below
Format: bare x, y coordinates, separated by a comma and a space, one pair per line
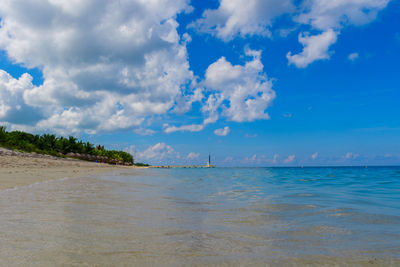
23, 169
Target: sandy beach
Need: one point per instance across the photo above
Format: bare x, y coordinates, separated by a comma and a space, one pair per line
22, 169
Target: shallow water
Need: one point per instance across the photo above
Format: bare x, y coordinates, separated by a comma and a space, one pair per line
201, 217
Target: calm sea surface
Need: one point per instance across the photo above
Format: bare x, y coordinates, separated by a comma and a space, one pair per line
206, 217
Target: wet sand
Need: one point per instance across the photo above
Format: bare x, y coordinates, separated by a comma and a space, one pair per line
21, 169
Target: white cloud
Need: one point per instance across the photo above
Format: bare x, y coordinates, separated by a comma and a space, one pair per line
193, 155
330, 17
106, 65
325, 15
156, 153
223, 131
239, 93
255, 17
131, 150
275, 159
160, 153
242, 93
12, 106
251, 160
290, 159
109, 66
314, 156
353, 56
112, 65
184, 102
260, 160
242, 17
143, 131
316, 47
184, 128
351, 155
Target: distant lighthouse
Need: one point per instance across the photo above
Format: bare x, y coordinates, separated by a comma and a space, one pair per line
209, 162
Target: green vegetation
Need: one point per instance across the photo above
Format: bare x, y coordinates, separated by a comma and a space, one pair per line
139, 164
60, 146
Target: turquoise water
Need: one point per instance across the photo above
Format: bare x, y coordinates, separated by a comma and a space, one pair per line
222, 216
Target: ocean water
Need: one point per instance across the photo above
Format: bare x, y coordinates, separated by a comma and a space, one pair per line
206, 217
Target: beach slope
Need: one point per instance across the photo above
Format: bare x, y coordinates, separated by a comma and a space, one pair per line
22, 169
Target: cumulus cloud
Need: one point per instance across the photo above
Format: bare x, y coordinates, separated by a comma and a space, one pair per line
184, 102
156, 153
325, 15
330, 17
12, 106
242, 17
255, 17
241, 92
289, 159
110, 66
316, 47
223, 131
314, 156
353, 56
106, 64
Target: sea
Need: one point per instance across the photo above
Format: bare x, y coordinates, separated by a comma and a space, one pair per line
330, 216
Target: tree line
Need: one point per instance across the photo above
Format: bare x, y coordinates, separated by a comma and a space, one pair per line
60, 146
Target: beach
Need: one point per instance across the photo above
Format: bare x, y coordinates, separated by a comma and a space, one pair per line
22, 169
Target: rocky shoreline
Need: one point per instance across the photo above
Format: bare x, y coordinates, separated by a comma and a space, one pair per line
10, 152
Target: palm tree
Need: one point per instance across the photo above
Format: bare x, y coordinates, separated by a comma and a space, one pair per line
3, 133
49, 141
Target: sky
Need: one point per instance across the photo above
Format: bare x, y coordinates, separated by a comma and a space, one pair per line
251, 82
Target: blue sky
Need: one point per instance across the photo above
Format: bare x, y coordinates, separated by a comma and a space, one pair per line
254, 83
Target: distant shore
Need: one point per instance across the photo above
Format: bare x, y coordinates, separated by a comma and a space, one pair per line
22, 169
